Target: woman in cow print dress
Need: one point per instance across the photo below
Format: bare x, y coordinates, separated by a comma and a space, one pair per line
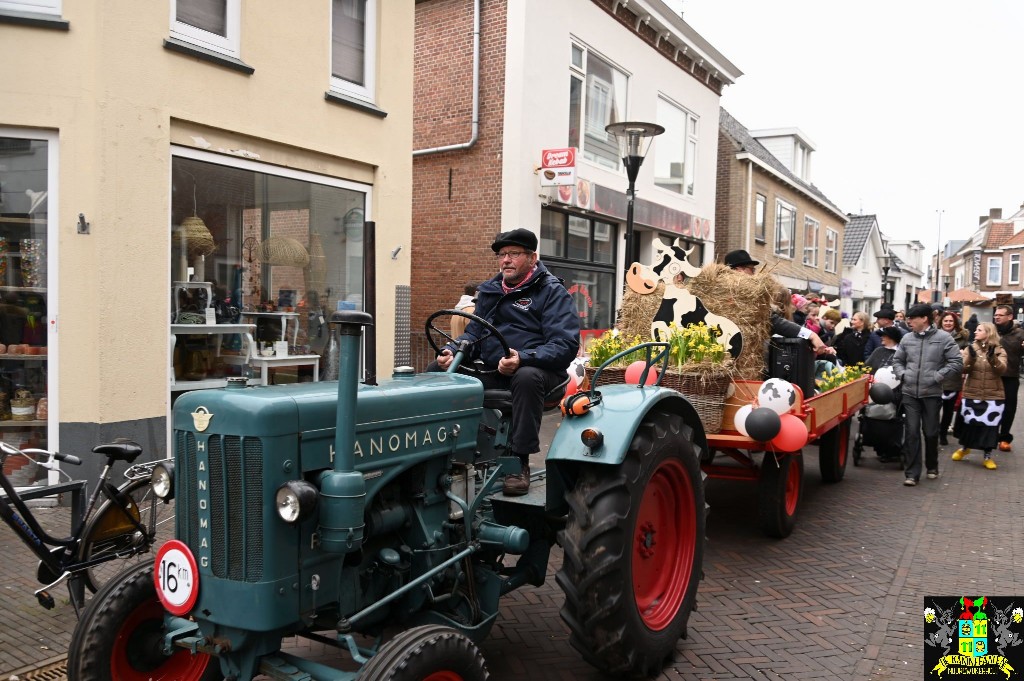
982, 404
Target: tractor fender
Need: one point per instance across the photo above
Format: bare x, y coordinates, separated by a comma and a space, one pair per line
618, 414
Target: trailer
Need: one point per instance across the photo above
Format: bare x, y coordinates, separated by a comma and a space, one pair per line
779, 475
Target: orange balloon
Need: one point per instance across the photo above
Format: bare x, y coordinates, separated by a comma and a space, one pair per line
792, 434
570, 389
634, 370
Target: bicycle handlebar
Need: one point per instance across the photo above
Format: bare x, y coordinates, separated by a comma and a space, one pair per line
68, 458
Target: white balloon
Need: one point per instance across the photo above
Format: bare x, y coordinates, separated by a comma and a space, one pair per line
741, 419
576, 370
777, 394
887, 375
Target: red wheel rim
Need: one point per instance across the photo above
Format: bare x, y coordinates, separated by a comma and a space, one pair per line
444, 675
792, 484
664, 543
130, 661
844, 441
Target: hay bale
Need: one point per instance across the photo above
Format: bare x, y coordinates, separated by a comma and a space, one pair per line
746, 301
637, 312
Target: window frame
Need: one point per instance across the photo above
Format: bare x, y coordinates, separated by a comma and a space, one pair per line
811, 244
760, 221
1013, 263
780, 206
833, 257
589, 124
996, 260
368, 90
229, 44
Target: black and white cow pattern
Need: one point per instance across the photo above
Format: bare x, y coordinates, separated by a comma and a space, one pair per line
982, 412
682, 307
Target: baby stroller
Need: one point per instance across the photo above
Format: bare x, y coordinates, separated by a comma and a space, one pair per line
881, 427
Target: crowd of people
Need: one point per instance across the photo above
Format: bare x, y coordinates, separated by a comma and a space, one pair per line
957, 380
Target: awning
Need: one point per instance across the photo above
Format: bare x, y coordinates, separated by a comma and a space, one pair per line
966, 295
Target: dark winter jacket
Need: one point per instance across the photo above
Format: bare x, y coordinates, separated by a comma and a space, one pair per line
538, 319
984, 367
924, 360
849, 346
1010, 337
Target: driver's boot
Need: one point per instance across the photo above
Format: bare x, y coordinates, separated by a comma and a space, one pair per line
518, 484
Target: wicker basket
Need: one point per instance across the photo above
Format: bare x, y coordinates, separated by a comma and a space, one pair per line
609, 375
705, 391
23, 406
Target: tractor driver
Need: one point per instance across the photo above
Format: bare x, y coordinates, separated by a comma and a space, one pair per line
539, 320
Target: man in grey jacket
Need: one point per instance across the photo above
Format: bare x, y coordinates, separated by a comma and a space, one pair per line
924, 358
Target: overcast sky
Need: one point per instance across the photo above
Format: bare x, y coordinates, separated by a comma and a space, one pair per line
913, 105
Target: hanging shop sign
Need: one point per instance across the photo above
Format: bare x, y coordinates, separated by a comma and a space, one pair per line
558, 167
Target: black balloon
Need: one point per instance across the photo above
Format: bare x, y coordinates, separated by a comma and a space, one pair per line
880, 393
763, 424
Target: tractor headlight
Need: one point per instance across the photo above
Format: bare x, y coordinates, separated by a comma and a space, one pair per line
296, 499
162, 480
592, 438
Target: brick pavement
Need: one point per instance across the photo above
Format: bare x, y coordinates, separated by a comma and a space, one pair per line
840, 598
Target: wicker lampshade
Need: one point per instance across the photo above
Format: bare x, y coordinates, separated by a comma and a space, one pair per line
196, 236
283, 250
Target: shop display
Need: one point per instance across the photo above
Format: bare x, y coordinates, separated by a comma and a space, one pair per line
33, 263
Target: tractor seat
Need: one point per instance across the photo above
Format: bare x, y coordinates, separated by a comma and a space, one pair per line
502, 399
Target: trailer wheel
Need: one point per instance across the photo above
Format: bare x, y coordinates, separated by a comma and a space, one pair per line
120, 634
780, 493
428, 653
832, 452
634, 547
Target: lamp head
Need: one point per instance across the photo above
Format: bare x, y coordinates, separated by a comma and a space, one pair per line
634, 139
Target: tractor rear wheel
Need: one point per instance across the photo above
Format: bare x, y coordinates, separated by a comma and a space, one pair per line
634, 547
120, 634
428, 653
781, 490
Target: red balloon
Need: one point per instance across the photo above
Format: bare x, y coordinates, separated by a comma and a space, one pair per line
792, 434
570, 389
634, 370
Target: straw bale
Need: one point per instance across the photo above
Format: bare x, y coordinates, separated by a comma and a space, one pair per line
746, 301
637, 312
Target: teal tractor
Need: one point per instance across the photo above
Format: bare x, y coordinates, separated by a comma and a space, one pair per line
370, 517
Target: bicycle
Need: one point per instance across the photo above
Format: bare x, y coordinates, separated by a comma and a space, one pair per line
120, 533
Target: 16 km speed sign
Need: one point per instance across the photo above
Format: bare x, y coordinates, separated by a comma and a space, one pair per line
177, 577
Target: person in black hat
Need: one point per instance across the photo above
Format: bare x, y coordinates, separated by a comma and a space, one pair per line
924, 358
539, 321
741, 260
882, 356
884, 319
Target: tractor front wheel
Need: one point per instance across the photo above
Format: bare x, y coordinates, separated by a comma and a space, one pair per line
428, 653
634, 546
120, 635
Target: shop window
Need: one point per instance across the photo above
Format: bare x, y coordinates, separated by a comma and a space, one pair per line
281, 251
27, 170
209, 24
597, 97
353, 47
580, 251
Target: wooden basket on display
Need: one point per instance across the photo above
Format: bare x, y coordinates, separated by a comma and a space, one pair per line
23, 406
608, 375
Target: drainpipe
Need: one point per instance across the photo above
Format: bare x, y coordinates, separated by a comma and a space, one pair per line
475, 134
746, 205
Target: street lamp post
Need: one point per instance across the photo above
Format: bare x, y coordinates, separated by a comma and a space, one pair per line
938, 255
634, 142
885, 278
945, 285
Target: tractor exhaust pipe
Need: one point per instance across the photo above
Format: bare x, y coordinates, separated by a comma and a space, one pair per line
342, 490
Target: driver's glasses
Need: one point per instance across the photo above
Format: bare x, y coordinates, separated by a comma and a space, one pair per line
514, 255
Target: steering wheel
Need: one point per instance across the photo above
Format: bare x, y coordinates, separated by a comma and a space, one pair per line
488, 328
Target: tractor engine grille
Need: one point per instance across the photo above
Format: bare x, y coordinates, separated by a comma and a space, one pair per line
235, 503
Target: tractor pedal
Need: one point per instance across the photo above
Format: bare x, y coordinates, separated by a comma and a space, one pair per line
45, 599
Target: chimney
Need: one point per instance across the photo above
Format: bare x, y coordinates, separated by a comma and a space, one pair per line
995, 213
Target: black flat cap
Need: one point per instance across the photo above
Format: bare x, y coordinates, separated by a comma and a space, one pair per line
739, 258
919, 310
516, 237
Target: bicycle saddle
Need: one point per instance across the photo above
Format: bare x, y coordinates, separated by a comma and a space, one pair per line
120, 451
